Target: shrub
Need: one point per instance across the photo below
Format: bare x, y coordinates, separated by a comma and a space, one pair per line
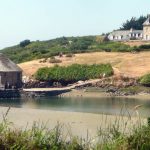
133, 38
114, 47
135, 49
54, 60
24, 43
144, 46
69, 55
145, 80
73, 73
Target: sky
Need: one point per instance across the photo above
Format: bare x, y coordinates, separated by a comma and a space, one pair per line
47, 19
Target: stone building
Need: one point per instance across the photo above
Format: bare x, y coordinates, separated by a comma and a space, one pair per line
125, 35
146, 29
10, 74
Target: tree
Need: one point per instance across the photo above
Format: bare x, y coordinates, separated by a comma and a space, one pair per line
24, 43
135, 23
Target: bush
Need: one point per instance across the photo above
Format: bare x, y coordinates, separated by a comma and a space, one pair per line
54, 60
133, 38
73, 73
144, 46
135, 49
113, 47
24, 43
69, 55
145, 80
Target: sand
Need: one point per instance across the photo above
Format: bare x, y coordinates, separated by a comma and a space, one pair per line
74, 123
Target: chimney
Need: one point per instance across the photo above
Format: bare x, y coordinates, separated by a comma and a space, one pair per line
131, 30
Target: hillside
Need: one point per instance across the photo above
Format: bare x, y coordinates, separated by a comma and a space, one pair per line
86, 50
45, 49
127, 63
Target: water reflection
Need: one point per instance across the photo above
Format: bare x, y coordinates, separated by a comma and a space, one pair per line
105, 105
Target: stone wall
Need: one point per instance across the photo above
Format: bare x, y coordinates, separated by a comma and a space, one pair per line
11, 79
146, 32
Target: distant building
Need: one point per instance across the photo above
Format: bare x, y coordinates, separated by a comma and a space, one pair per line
10, 74
125, 35
146, 29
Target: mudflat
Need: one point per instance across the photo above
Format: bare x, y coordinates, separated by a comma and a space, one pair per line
78, 124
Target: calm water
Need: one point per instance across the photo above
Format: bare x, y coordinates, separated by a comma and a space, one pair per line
89, 105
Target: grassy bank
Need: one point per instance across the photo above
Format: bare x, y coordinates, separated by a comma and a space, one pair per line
45, 49
109, 138
73, 73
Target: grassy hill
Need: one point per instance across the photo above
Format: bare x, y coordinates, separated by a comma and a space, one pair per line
45, 49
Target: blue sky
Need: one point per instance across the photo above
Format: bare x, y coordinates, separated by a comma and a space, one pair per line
47, 19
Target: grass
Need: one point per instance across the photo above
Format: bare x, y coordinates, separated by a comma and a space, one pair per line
66, 45
136, 89
119, 135
73, 73
145, 80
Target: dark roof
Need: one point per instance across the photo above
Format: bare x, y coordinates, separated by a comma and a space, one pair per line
6, 65
125, 32
147, 22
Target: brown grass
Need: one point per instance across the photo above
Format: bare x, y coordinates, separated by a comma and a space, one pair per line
130, 64
136, 43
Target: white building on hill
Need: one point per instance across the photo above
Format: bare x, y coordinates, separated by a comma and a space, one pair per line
125, 35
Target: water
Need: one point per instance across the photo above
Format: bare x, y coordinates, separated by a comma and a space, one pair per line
102, 105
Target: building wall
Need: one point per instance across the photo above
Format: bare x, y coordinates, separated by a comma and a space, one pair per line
146, 32
11, 79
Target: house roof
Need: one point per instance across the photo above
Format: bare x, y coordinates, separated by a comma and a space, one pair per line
125, 32
147, 22
6, 65
120, 32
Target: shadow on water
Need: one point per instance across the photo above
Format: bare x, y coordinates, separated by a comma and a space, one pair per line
103, 105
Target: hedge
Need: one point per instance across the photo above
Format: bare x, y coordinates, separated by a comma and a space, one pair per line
73, 73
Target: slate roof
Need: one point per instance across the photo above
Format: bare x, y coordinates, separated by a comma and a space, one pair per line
147, 22
6, 65
125, 32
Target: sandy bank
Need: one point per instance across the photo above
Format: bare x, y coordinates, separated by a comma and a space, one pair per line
75, 123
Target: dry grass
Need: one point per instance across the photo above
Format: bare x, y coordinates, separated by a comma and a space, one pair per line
127, 63
136, 43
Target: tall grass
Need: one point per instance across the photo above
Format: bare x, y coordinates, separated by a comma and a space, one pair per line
74, 72
118, 135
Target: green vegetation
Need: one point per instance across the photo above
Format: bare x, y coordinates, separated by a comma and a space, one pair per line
112, 47
138, 139
114, 136
73, 73
145, 80
24, 43
135, 23
145, 47
27, 50
135, 89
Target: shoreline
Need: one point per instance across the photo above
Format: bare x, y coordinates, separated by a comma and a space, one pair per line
75, 123
97, 94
